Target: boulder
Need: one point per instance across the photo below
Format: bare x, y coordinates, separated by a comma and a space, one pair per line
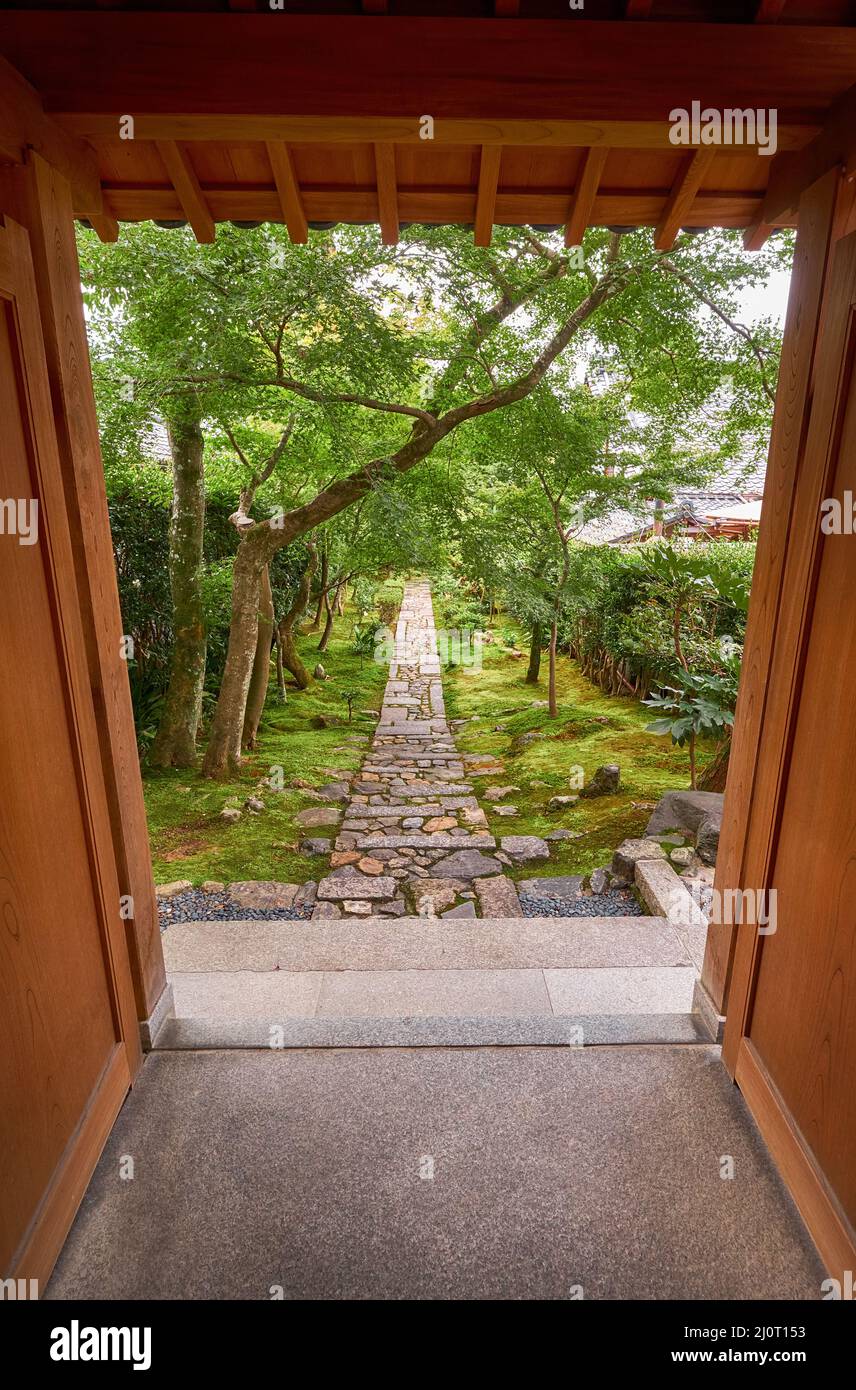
707, 838
684, 811
524, 849
599, 880
628, 855
605, 782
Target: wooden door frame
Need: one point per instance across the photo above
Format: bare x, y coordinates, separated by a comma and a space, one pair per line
39, 197
50, 1223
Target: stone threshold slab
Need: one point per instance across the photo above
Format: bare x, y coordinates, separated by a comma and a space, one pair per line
450, 991
582, 1030
412, 943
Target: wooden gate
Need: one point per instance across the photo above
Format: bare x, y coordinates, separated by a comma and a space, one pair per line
790, 1035
69, 1044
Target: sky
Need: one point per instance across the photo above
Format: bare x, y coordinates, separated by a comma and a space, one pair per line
758, 301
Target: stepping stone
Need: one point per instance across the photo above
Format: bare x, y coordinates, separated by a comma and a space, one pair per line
524, 849
498, 897
467, 863
352, 887
373, 867
335, 791
431, 895
321, 815
442, 840
473, 815
343, 856
325, 910
440, 823
264, 895
565, 887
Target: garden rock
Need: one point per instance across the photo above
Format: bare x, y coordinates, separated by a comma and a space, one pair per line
559, 803
253, 804
564, 835
431, 895
354, 887
564, 887
463, 910
684, 811
335, 791
599, 880
630, 852
497, 793
605, 781
525, 849
707, 839
172, 890
319, 673
230, 814
682, 856
314, 845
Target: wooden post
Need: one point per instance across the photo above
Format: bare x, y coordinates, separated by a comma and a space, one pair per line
39, 197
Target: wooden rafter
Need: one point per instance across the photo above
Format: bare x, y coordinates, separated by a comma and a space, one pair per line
682, 196
186, 185
792, 174
638, 9
585, 193
387, 192
104, 223
491, 156
288, 190
756, 234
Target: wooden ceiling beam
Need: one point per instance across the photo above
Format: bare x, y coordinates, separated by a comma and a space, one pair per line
345, 130
104, 223
387, 192
186, 184
288, 191
24, 125
682, 197
769, 11
638, 9
334, 66
434, 205
792, 174
584, 195
491, 157
506, 9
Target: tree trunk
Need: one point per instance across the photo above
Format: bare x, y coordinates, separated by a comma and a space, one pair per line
715, 775
339, 605
260, 677
535, 644
281, 692
328, 626
223, 754
285, 632
322, 604
692, 762
175, 742
551, 693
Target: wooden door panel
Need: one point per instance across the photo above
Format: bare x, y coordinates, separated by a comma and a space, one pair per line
67, 1037
790, 1034
803, 1021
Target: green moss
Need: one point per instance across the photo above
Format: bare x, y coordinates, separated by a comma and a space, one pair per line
591, 729
188, 838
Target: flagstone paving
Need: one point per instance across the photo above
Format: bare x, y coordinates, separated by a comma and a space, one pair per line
412, 820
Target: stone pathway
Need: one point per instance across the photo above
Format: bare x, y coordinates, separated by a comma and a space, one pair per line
413, 839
